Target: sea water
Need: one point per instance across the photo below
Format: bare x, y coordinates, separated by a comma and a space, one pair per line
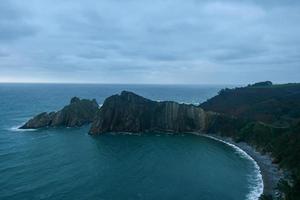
67, 163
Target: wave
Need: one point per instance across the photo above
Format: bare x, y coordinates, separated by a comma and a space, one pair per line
257, 190
17, 129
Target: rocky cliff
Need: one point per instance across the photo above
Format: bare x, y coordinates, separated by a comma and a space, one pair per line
129, 112
77, 113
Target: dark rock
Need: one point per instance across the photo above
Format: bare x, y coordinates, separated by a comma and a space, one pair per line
75, 100
77, 113
129, 112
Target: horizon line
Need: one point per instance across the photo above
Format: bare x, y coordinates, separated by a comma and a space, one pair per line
99, 83
118, 83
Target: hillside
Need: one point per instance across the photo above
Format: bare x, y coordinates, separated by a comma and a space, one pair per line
267, 117
276, 104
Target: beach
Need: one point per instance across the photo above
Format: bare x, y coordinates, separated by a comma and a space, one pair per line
271, 173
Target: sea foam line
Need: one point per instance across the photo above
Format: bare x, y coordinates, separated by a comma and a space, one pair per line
257, 191
17, 129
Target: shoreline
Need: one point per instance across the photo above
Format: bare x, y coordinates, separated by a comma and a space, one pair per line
270, 172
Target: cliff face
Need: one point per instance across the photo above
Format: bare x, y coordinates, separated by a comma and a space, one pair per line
77, 113
129, 112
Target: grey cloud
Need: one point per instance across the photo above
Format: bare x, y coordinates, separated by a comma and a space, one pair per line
12, 30
138, 40
3, 53
12, 22
92, 55
9, 11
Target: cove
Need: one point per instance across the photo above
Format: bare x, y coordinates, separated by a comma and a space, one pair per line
69, 164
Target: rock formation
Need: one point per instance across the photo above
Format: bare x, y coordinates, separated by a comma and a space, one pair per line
129, 112
77, 113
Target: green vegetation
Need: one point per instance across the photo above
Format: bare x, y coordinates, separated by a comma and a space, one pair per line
267, 117
262, 84
275, 104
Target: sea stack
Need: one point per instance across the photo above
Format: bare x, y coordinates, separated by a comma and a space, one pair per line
77, 113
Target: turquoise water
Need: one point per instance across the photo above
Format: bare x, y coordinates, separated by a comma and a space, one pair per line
70, 164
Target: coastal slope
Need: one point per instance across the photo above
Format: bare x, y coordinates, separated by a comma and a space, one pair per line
278, 104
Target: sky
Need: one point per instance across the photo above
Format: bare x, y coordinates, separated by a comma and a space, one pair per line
151, 42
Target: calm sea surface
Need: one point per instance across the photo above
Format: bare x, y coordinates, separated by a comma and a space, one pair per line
67, 163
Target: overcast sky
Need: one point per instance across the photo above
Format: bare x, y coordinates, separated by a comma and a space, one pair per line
150, 41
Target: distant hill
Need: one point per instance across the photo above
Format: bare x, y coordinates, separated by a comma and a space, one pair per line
277, 104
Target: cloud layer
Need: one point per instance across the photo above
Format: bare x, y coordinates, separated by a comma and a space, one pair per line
139, 41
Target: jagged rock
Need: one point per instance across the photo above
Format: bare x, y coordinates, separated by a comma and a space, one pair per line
129, 112
77, 113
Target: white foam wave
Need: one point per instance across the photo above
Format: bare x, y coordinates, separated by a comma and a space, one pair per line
257, 190
17, 129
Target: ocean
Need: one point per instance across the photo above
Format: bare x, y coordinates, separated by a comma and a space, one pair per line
67, 163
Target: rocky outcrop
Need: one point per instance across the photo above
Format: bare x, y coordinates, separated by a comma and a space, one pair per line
129, 112
77, 113
126, 112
